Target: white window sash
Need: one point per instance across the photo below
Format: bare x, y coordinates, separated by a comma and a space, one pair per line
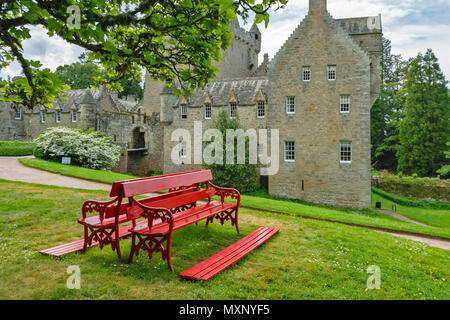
289, 149
289, 105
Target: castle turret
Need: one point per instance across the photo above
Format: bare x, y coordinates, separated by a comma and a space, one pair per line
256, 35
167, 101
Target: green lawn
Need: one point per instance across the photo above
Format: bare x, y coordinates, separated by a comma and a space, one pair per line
262, 201
16, 148
432, 217
307, 260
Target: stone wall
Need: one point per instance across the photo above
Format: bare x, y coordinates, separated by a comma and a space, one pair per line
318, 127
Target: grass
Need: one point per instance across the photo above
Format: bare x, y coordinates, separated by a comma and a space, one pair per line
16, 148
262, 201
433, 217
307, 260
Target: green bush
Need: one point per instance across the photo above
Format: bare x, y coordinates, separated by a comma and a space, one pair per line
16, 148
88, 149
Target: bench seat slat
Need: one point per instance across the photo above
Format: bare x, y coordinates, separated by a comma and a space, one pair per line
207, 269
186, 218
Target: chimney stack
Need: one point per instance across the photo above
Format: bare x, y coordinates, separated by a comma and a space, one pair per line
317, 6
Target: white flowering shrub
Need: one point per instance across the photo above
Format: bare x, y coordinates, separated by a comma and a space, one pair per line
88, 149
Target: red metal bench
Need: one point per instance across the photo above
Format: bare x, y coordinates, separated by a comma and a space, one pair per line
175, 210
102, 227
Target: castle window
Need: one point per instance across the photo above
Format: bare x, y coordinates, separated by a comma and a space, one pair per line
261, 109
58, 116
290, 105
74, 115
233, 108
344, 102
208, 111
43, 116
306, 74
184, 112
260, 150
331, 73
18, 113
289, 151
183, 149
346, 152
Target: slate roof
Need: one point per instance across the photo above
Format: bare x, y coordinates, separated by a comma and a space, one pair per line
246, 91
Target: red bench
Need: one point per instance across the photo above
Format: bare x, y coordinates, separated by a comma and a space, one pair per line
103, 227
175, 210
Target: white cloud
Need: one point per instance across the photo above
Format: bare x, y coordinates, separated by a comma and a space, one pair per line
407, 39
51, 52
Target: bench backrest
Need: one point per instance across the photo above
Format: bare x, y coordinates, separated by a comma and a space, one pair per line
116, 187
173, 200
149, 185
111, 210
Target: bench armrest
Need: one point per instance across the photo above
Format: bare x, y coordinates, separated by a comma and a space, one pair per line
152, 214
226, 192
97, 206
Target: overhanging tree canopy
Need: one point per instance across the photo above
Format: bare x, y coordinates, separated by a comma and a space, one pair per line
172, 40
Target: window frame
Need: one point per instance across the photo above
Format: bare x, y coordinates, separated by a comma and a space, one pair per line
183, 112
43, 116
349, 153
183, 150
208, 108
292, 151
18, 111
58, 116
73, 116
288, 104
344, 103
306, 70
258, 109
332, 69
233, 110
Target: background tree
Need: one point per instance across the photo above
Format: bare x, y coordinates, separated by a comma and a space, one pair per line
82, 75
388, 110
172, 40
79, 75
240, 176
445, 170
425, 129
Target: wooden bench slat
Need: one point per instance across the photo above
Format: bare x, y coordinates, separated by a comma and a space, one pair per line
237, 257
207, 269
77, 245
232, 255
211, 260
139, 187
186, 218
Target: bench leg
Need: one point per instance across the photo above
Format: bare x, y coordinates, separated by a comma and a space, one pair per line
168, 253
152, 245
86, 238
133, 248
117, 243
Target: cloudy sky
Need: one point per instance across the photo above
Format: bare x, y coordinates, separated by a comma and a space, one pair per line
411, 25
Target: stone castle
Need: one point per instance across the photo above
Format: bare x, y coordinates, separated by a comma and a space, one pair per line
317, 91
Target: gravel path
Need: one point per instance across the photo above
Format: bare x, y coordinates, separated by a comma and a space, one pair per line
403, 218
12, 169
